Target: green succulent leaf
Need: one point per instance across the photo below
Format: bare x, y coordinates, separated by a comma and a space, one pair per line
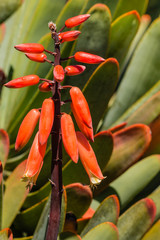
6, 234
108, 211
142, 214
153, 233
69, 236
105, 231
155, 197
7, 7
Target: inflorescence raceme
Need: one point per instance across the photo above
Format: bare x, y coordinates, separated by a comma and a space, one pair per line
75, 143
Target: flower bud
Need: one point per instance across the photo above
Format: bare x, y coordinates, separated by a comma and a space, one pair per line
46, 120
81, 106
69, 137
68, 36
37, 57
74, 70
88, 159
30, 47
26, 129
25, 81
58, 73
75, 21
44, 87
88, 58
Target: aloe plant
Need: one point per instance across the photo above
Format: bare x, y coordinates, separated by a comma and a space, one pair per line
123, 96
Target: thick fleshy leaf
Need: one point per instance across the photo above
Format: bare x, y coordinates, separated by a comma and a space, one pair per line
69, 236
4, 146
123, 30
75, 172
128, 92
108, 211
2, 31
155, 196
142, 214
6, 234
105, 231
134, 180
79, 198
153, 233
129, 145
7, 7
125, 6
11, 204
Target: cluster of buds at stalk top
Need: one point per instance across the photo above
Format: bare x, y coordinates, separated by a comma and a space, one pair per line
51, 120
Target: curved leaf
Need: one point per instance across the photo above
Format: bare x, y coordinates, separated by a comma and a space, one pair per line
7, 7
153, 233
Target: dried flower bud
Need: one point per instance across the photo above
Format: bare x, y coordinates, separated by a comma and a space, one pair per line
25, 81
44, 87
81, 106
26, 129
30, 47
88, 58
46, 120
88, 159
74, 70
39, 57
68, 36
58, 73
75, 21
69, 137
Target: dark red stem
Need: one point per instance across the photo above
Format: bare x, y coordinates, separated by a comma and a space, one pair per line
56, 166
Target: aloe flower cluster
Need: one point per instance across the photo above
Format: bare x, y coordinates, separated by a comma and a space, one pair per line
51, 119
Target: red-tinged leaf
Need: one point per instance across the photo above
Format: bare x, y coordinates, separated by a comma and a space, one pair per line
2, 31
89, 213
26, 129
35, 160
23, 81
58, 73
88, 58
46, 120
75, 21
44, 87
30, 47
88, 132
88, 159
117, 127
74, 70
69, 137
68, 36
80, 106
6, 234
37, 57
4, 146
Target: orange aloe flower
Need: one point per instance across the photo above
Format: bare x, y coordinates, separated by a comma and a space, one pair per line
37, 57
89, 160
30, 47
88, 58
75, 21
46, 120
69, 137
34, 161
88, 132
68, 36
44, 87
73, 70
58, 73
26, 129
25, 81
80, 106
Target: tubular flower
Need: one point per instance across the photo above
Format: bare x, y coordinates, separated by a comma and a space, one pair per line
68, 36
88, 58
26, 129
88, 132
30, 47
34, 161
69, 137
80, 106
58, 73
46, 120
88, 159
74, 70
37, 57
25, 81
44, 87
75, 21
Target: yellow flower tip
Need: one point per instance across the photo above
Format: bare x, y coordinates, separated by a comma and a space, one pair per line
94, 180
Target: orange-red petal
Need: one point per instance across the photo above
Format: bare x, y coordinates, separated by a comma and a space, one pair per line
37, 57
81, 106
46, 120
69, 137
68, 36
25, 81
30, 47
58, 73
26, 129
74, 70
88, 58
44, 87
75, 21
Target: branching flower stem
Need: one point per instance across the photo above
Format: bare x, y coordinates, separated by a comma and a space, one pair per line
56, 144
